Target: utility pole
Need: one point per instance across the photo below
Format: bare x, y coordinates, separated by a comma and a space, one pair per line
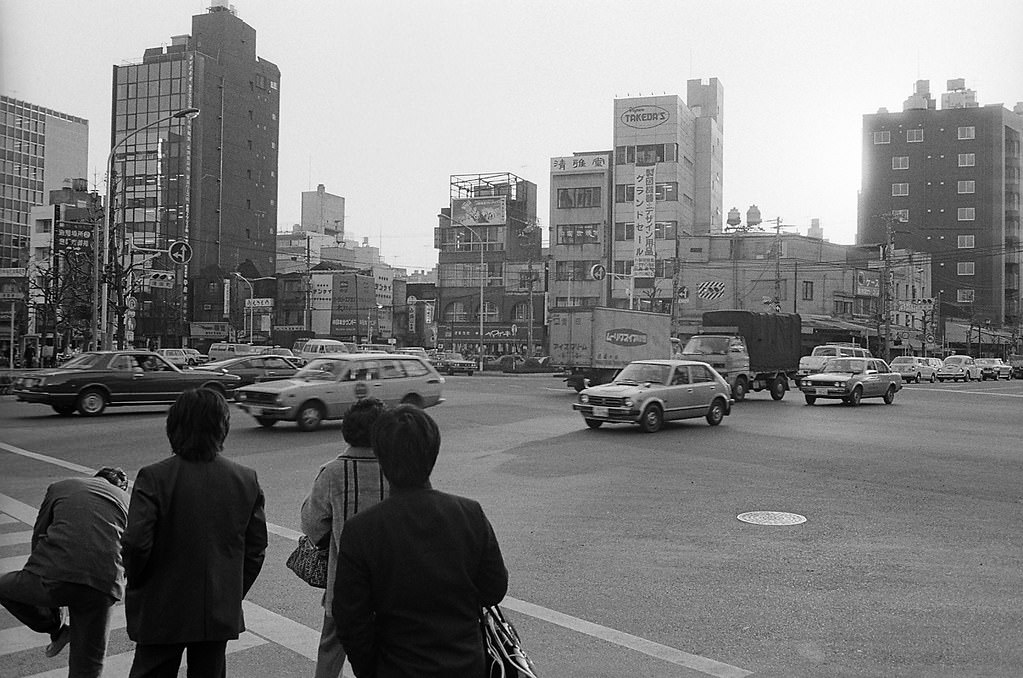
309, 287
886, 286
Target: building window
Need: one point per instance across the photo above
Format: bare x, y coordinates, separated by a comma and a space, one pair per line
520, 312
967, 213
967, 159
884, 137
455, 312
967, 187
965, 268
578, 234
625, 155
667, 191
900, 189
900, 162
901, 215
914, 135
807, 290
578, 197
490, 313
623, 267
573, 270
665, 230
968, 132
625, 231
965, 296
966, 242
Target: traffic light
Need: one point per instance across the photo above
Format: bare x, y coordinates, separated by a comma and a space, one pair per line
161, 279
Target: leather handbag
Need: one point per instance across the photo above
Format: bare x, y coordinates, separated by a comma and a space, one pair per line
309, 562
504, 654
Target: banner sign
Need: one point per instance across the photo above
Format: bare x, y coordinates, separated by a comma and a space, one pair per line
577, 163
479, 211
868, 283
645, 259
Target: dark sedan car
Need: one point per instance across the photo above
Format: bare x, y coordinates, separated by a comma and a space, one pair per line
92, 381
254, 368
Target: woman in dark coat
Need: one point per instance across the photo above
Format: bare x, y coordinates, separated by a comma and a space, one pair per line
194, 545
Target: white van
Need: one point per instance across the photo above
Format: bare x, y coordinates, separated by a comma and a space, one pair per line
315, 348
223, 350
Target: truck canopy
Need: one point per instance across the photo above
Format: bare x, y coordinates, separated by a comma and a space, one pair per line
773, 339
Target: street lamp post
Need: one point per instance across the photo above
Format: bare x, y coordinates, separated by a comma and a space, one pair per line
252, 294
102, 295
482, 279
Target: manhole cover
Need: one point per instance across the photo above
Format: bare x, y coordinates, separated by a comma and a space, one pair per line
771, 518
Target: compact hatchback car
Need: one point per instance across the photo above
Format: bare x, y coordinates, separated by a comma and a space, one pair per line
650, 392
328, 386
915, 368
958, 367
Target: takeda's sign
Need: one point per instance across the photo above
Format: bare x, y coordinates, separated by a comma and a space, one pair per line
645, 117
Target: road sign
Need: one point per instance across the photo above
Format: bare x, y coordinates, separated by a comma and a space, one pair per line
259, 302
598, 271
180, 252
930, 338
11, 296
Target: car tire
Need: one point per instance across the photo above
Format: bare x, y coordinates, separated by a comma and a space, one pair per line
855, 397
92, 402
310, 416
889, 395
266, 422
652, 419
593, 423
716, 412
932, 377
916, 380
810, 399
740, 389
413, 399
469, 373
64, 410
778, 388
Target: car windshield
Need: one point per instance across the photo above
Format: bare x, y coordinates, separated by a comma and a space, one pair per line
220, 364
704, 345
824, 350
903, 360
851, 365
454, 356
82, 361
322, 369
984, 361
640, 373
955, 360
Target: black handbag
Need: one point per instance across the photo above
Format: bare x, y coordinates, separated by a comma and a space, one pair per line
504, 654
309, 562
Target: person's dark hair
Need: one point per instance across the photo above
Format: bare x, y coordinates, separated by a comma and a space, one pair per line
406, 440
357, 425
113, 475
197, 424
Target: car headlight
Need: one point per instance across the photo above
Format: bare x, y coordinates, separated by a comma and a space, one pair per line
840, 384
584, 398
629, 402
239, 395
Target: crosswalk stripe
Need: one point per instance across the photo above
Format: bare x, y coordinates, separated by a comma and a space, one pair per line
11, 538
7, 520
21, 638
120, 664
280, 630
12, 563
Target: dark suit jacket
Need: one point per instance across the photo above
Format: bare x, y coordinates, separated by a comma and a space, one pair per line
413, 572
194, 545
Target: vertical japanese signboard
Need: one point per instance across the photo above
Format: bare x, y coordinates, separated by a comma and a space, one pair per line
645, 259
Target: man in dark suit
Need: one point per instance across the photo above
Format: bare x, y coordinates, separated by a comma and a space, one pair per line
194, 545
414, 570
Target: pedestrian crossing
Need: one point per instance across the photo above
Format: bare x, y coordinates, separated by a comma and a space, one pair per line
265, 628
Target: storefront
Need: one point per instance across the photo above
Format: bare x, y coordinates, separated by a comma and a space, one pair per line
498, 338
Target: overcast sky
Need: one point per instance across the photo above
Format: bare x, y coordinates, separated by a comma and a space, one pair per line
383, 101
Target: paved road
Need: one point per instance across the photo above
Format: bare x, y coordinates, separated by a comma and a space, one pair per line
625, 552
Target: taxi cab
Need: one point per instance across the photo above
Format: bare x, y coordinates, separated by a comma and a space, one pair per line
326, 387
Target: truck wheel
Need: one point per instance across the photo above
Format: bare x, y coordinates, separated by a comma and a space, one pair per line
716, 413
739, 389
651, 419
810, 400
593, 423
778, 388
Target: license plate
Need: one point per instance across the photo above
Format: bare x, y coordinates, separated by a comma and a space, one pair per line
821, 391
600, 412
255, 410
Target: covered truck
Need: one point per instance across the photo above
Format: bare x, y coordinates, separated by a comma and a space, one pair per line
593, 343
750, 349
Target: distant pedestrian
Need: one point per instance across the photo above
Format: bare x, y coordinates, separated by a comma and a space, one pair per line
75, 563
30, 356
194, 545
415, 570
343, 487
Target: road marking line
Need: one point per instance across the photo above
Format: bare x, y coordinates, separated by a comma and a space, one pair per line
627, 640
13, 563
296, 637
20, 638
6, 519
11, 538
120, 664
957, 391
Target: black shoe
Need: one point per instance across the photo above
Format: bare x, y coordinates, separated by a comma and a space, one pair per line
58, 640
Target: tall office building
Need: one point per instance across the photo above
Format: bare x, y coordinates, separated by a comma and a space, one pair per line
947, 181
211, 181
43, 150
324, 213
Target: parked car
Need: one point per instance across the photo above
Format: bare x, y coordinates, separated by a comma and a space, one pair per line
453, 363
1016, 363
255, 368
175, 356
915, 368
851, 380
650, 392
223, 350
813, 363
994, 368
327, 387
956, 367
93, 381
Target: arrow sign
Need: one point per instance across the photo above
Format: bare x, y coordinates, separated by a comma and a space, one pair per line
180, 252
